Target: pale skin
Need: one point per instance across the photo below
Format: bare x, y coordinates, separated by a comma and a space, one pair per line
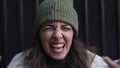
56, 38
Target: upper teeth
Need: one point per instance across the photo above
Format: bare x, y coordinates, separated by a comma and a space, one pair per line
58, 45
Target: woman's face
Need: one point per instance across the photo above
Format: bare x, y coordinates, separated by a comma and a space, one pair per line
56, 38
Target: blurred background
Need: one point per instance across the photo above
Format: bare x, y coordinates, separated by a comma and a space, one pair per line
99, 26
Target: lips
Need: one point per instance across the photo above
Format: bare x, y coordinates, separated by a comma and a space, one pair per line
57, 47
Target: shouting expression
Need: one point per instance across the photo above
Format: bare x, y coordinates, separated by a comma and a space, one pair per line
56, 38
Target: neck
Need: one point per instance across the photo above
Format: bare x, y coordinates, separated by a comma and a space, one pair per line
55, 63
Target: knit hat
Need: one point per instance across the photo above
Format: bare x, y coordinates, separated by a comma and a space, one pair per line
56, 10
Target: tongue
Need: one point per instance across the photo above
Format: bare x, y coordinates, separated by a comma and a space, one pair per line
57, 50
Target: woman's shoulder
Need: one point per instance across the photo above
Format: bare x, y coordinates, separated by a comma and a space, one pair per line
18, 60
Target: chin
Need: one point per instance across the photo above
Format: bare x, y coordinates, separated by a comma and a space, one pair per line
58, 57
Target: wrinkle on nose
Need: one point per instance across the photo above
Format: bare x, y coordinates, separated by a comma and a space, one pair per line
57, 35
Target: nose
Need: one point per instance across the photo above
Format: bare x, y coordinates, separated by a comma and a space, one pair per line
58, 35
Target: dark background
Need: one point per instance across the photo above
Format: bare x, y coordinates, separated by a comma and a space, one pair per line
99, 26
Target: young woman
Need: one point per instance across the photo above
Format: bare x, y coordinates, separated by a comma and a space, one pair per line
56, 44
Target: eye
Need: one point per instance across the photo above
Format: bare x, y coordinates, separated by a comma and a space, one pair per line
66, 28
47, 28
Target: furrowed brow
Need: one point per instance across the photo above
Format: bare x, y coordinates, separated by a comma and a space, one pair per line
48, 25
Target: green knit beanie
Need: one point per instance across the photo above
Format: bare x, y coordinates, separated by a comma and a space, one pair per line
56, 10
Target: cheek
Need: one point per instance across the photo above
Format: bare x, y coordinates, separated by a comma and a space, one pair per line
69, 37
45, 37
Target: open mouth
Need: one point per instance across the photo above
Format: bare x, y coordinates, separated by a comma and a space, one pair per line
57, 48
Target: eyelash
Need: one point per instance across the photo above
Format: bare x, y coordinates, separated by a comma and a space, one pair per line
66, 28
49, 28
62, 28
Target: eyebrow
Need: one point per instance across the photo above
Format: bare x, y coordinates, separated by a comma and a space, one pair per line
51, 25
66, 25
48, 25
